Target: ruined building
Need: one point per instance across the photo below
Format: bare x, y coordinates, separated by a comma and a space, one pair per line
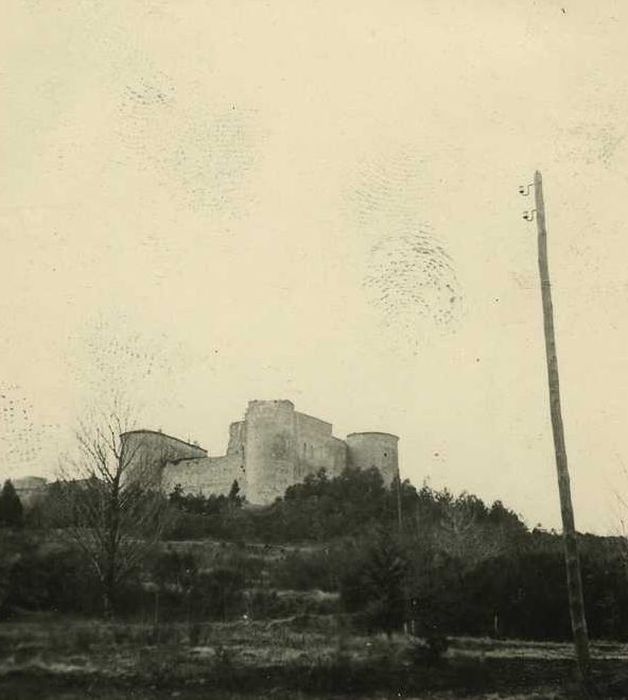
271, 449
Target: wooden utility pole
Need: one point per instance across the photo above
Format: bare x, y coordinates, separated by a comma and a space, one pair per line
407, 622
572, 560
399, 514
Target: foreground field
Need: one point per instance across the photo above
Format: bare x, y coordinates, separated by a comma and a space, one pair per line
67, 660
29, 690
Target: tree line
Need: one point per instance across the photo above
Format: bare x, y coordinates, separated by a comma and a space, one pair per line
449, 565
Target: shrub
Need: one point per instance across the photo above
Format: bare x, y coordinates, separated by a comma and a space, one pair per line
54, 578
11, 511
218, 594
320, 569
376, 585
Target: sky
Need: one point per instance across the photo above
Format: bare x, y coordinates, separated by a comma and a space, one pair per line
204, 203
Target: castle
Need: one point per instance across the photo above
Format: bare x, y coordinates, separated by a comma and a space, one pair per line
273, 448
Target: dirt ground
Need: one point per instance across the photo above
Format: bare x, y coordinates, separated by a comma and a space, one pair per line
71, 659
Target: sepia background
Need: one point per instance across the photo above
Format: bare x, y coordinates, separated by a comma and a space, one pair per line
203, 203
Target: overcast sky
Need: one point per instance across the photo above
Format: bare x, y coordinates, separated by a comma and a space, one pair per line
203, 203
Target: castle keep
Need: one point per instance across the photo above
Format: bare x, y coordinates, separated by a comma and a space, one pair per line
271, 449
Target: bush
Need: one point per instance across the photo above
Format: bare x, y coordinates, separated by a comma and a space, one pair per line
376, 585
189, 526
183, 591
52, 578
320, 569
431, 651
11, 511
218, 594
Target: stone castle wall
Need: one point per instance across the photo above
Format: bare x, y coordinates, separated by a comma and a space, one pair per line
378, 450
273, 448
204, 475
317, 448
269, 447
30, 488
149, 451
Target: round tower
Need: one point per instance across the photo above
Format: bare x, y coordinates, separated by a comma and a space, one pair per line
145, 452
378, 450
270, 449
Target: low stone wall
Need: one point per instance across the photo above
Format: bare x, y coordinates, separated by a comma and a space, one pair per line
205, 475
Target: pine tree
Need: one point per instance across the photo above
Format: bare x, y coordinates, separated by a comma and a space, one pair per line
11, 511
234, 497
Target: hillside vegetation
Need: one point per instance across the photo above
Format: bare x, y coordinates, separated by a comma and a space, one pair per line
378, 558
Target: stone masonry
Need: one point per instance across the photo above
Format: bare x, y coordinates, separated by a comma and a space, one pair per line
273, 447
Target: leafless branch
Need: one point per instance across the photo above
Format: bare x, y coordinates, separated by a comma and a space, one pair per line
110, 490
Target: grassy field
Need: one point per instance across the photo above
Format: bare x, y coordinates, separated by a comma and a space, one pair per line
297, 657
29, 690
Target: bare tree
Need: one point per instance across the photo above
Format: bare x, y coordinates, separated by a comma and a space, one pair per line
465, 535
112, 496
